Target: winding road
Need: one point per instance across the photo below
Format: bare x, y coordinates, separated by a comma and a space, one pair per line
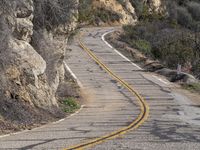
126, 108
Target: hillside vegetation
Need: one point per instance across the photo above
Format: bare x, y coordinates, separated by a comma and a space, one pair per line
171, 36
104, 12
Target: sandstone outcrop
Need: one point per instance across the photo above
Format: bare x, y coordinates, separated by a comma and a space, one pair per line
124, 9
155, 5
31, 61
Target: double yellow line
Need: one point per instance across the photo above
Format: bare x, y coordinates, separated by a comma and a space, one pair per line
144, 108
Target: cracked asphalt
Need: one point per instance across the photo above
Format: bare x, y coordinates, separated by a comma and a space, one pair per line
174, 121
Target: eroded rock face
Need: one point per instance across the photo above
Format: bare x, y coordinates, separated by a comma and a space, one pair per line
31, 62
124, 9
155, 5
51, 43
24, 16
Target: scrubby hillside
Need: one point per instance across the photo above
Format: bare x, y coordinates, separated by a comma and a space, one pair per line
104, 12
32, 49
169, 33
115, 12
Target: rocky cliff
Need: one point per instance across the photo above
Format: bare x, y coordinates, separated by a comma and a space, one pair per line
116, 12
155, 5
33, 37
123, 8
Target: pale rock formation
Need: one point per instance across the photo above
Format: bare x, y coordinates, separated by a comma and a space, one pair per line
31, 63
155, 5
124, 9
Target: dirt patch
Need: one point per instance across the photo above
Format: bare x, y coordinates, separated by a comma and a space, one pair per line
22, 116
193, 96
88, 95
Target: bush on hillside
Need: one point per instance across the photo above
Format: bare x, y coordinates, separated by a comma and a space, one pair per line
52, 13
143, 45
85, 11
90, 15
194, 9
161, 41
173, 38
184, 18
139, 6
106, 15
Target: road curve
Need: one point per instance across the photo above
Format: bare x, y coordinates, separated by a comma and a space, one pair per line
144, 108
111, 107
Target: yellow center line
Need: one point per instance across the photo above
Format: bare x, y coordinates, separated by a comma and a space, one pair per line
141, 118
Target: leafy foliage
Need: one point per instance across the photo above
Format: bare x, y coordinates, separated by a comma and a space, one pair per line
184, 17
192, 87
173, 38
91, 15
70, 105
194, 9
49, 14
139, 6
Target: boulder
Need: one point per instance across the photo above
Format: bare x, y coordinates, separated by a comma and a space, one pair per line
173, 76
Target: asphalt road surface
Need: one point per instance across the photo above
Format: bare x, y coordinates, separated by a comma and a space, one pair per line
173, 123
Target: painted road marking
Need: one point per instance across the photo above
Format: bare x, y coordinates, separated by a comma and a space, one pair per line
144, 113
161, 80
103, 38
73, 75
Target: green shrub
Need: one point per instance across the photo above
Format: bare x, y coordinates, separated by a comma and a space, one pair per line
49, 14
184, 17
70, 105
174, 39
142, 45
85, 11
139, 6
90, 15
194, 9
129, 31
176, 53
192, 87
106, 15
160, 41
196, 68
